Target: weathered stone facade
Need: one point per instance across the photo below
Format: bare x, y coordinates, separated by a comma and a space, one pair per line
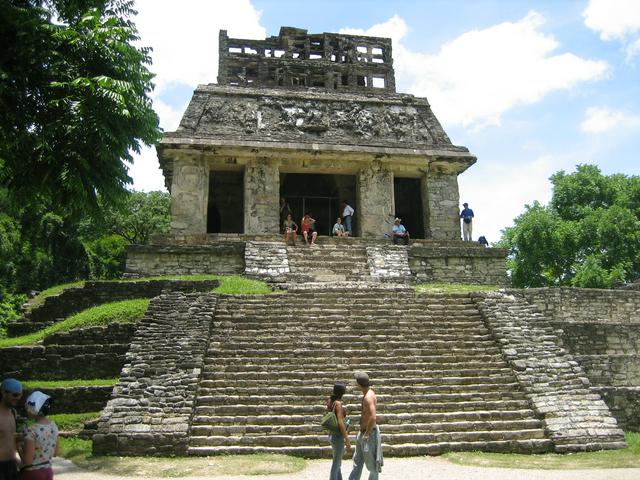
325, 105
601, 329
152, 405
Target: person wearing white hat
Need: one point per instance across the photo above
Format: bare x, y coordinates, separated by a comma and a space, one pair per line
40, 439
10, 393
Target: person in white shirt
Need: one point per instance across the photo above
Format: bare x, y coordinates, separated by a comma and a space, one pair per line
347, 214
398, 231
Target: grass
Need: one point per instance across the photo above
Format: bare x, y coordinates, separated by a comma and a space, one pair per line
126, 311
229, 284
626, 458
94, 382
79, 452
73, 421
454, 288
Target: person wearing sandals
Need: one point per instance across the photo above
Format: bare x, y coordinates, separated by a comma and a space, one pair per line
40, 439
338, 440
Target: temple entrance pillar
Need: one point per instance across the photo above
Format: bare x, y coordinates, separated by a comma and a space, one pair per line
440, 204
375, 201
189, 196
261, 197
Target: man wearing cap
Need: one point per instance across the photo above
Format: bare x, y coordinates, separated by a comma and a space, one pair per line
10, 393
399, 232
467, 222
368, 443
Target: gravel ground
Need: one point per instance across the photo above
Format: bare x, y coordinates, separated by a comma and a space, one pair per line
428, 468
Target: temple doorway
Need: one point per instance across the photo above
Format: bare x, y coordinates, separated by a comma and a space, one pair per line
408, 202
320, 195
225, 209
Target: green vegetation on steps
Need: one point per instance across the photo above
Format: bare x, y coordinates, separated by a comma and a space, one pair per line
453, 288
625, 458
127, 311
93, 382
73, 421
229, 284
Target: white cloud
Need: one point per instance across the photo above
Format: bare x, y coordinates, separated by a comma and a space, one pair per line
184, 38
616, 20
603, 119
497, 193
477, 77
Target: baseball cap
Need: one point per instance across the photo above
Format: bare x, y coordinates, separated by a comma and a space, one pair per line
11, 385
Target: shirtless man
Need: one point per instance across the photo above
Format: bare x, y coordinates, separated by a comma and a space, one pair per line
368, 451
10, 393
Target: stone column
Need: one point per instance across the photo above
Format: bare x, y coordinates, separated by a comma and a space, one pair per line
189, 196
440, 206
261, 198
375, 208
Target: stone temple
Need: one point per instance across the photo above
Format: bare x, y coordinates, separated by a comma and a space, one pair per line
315, 119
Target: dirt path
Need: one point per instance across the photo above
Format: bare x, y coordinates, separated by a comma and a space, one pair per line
428, 468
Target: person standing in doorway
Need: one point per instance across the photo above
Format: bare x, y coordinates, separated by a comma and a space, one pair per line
285, 211
368, 443
347, 217
10, 393
467, 222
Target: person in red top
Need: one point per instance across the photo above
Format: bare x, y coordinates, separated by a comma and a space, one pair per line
307, 225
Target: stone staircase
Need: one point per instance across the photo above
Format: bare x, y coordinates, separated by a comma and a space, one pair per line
441, 381
327, 263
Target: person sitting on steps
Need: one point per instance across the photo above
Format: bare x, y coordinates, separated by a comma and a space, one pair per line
290, 229
399, 232
307, 225
338, 228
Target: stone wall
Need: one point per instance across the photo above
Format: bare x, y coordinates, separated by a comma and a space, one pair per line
152, 404
222, 258
79, 399
266, 260
586, 305
459, 263
375, 201
441, 202
554, 382
96, 352
261, 197
389, 263
73, 300
601, 329
189, 195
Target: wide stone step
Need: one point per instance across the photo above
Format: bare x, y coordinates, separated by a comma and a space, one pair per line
291, 398
446, 361
303, 429
349, 353
401, 418
339, 343
389, 438
398, 450
407, 407
341, 324
435, 370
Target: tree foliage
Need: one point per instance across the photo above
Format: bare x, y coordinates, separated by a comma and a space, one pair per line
74, 92
588, 235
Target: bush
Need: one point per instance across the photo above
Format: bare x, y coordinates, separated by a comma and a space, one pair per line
10, 304
106, 257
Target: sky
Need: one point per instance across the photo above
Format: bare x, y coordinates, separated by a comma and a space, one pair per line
530, 87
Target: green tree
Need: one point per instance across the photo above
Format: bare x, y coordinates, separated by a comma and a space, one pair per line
74, 96
588, 235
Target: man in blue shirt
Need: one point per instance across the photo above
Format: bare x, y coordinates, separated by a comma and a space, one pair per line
398, 231
467, 222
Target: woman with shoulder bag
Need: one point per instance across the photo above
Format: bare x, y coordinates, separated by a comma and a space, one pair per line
338, 439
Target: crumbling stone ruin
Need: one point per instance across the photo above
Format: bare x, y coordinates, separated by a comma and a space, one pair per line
315, 119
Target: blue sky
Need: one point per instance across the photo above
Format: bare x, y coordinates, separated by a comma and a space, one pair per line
530, 87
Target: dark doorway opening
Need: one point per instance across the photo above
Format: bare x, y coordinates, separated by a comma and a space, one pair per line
320, 195
225, 212
408, 201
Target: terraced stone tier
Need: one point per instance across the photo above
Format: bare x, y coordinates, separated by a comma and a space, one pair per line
441, 381
327, 263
